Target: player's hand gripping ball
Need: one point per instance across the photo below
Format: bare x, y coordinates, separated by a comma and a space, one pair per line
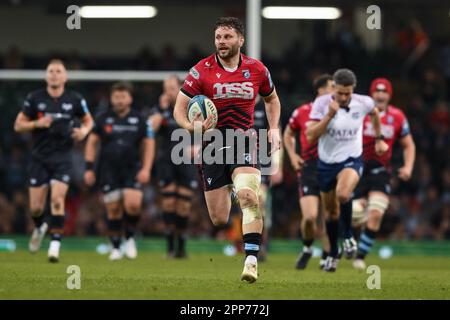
205, 107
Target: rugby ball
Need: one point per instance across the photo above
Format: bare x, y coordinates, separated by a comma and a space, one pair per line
203, 105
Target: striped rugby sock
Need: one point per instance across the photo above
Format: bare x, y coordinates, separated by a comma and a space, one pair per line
365, 243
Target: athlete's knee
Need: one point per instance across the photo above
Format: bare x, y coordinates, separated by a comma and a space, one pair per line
57, 202
183, 207
169, 203
219, 220
247, 198
184, 201
36, 209
378, 203
359, 213
114, 210
344, 195
133, 208
247, 188
309, 219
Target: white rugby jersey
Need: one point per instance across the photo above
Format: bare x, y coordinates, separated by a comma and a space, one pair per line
343, 137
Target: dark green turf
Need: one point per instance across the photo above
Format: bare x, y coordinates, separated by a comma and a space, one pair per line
215, 276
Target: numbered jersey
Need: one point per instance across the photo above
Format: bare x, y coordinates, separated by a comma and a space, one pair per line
233, 92
394, 125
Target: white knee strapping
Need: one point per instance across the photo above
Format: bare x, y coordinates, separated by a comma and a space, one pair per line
249, 181
378, 203
359, 213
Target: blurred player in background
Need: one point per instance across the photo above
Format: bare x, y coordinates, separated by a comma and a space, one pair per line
375, 185
305, 164
232, 81
50, 115
177, 182
338, 124
126, 157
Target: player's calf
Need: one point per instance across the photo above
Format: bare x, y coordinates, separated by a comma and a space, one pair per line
247, 188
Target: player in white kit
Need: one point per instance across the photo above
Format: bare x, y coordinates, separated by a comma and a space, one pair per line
338, 127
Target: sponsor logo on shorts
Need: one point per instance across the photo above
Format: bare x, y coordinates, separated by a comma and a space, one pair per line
193, 184
209, 180
33, 181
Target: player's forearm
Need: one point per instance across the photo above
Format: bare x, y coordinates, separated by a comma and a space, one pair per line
289, 142
87, 124
315, 130
376, 122
90, 152
273, 111
148, 154
24, 126
180, 112
409, 153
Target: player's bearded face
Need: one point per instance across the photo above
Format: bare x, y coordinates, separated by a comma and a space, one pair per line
56, 75
121, 101
228, 42
343, 94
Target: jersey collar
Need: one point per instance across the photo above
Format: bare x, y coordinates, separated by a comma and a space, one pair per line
220, 64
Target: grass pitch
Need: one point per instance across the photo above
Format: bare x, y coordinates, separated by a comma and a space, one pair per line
215, 276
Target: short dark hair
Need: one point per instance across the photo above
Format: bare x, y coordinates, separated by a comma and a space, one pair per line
230, 22
321, 81
344, 77
56, 61
122, 86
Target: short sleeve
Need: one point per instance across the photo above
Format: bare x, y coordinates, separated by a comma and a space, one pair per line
82, 108
148, 129
369, 104
28, 107
293, 120
319, 108
192, 84
267, 86
404, 128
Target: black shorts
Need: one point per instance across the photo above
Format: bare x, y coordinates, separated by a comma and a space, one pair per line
184, 175
41, 172
115, 178
374, 179
217, 175
307, 179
